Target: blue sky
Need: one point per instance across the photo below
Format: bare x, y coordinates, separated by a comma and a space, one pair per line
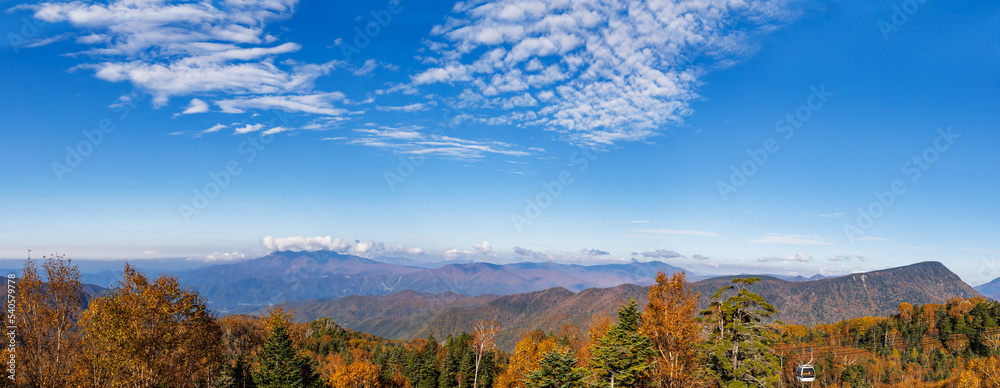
507, 130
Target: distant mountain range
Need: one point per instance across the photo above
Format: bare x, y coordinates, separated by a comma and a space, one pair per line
411, 314
990, 290
291, 276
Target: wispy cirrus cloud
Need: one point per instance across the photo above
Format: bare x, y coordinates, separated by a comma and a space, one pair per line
598, 72
413, 140
798, 257
662, 254
212, 129
846, 258
316, 103
579, 256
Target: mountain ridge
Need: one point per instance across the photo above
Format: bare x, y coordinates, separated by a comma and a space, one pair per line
289, 276
807, 303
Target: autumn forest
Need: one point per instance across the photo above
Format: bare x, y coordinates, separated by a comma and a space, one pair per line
155, 332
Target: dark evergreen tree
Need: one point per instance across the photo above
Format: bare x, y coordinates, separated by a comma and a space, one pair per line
558, 370
738, 350
623, 356
280, 366
428, 372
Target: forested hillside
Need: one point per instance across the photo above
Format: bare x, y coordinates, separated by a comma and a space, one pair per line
410, 315
875, 293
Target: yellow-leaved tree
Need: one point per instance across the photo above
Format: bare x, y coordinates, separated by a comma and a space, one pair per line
46, 317
670, 322
360, 374
526, 359
146, 333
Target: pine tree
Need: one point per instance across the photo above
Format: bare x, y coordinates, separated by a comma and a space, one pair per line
428, 372
623, 356
279, 364
558, 370
738, 352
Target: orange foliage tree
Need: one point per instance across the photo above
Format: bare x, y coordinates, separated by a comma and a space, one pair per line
360, 374
148, 333
526, 359
669, 321
46, 314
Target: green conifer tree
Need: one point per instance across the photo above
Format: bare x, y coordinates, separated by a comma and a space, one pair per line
280, 366
558, 370
739, 347
623, 356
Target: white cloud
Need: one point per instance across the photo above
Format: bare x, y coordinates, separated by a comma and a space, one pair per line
530, 253
410, 140
225, 256
846, 258
276, 130
606, 71
214, 128
178, 49
196, 106
662, 254
368, 248
789, 239
453, 254
400, 248
306, 244
700, 257
799, 257
483, 247
415, 107
367, 67
47, 41
638, 222
318, 103
249, 128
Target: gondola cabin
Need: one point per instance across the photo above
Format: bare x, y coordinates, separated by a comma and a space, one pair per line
805, 373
